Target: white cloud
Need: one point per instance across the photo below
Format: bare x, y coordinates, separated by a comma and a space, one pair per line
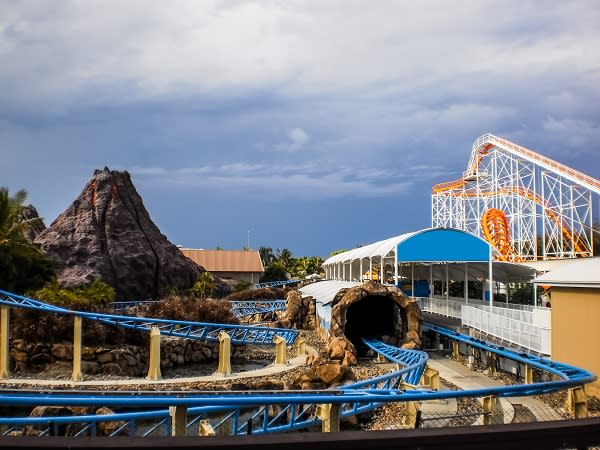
285, 181
298, 138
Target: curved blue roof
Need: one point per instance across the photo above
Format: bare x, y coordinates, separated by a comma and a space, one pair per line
428, 245
443, 244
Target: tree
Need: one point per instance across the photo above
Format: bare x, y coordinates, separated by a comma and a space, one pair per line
266, 255
337, 252
205, 285
23, 265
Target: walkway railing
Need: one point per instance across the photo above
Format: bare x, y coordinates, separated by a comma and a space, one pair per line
269, 284
528, 327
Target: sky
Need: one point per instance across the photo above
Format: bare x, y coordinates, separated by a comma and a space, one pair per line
309, 125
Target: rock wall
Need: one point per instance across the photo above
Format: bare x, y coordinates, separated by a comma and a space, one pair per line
127, 360
406, 321
301, 312
107, 233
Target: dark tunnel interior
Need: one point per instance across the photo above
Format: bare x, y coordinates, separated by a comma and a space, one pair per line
370, 317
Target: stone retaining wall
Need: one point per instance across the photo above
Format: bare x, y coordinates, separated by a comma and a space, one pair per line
124, 360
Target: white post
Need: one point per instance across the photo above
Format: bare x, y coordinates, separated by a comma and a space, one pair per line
344, 271
447, 284
396, 267
491, 279
370, 267
381, 271
350, 263
466, 283
412, 278
431, 280
360, 277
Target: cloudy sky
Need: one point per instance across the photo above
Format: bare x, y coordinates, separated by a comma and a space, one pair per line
316, 125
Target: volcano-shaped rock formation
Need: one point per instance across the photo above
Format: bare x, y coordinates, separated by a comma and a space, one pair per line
107, 233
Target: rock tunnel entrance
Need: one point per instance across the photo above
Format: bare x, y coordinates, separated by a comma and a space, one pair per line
372, 316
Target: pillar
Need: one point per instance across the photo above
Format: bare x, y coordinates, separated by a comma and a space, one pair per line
455, 349
281, 350
410, 417
466, 289
330, 417
577, 402
528, 374
381, 358
154, 364
224, 354
492, 410
302, 345
492, 362
431, 378
76, 375
205, 428
178, 420
4, 349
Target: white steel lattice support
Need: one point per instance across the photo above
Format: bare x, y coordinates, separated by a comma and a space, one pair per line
522, 195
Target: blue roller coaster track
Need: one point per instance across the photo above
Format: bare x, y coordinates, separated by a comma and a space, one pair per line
266, 411
269, 284
240, 334
251, 307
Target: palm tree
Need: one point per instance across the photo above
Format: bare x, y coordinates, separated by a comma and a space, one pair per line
22, 263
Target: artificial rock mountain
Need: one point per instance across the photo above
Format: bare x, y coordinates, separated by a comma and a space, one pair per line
107, 233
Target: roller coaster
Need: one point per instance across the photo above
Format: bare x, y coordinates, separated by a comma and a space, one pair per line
256, 412
509, 195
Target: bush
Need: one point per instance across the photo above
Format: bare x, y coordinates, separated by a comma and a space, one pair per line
96, 293
260, 294
241, 285
190, 309
204, 287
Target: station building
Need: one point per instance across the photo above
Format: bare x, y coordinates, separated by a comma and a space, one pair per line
575, 303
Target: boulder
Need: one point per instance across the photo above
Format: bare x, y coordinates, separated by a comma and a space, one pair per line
108, 234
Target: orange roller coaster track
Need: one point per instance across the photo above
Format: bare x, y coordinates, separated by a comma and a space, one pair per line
494, 224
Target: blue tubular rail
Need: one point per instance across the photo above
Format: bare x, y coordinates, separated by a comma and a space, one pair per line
251, 307
269, 284
279, 411
240, 334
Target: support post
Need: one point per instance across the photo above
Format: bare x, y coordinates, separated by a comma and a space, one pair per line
455, 349
528, 374
4, 349
281, 350
431, 378
577, 402
302, 345
447, 284
410, 417
381, 358
205, 428
76, 375
330, 417
466, 287
490, 270
492, 410
178, 420
224, 354
154, 364
492, 362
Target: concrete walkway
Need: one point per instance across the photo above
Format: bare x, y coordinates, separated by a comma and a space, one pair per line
272, 369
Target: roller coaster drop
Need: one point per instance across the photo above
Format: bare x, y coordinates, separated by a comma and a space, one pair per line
255, 411
509, 195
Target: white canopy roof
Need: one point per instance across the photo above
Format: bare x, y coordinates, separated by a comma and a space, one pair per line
325, 291
583, 272
380, 248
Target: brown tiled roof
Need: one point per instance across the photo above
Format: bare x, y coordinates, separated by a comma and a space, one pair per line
226, 260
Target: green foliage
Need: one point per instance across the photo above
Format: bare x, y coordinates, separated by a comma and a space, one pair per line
205, 286
281, 264
337, 252
23, 265
241, 285
95, 293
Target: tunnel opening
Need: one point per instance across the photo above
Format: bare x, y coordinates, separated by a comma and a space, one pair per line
372, 317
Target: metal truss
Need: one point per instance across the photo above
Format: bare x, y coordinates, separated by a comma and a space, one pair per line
251, 307
527, 205
240, 334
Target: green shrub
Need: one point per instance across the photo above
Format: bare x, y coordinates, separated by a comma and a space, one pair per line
241, 285
96, 293
190, 309
204, 287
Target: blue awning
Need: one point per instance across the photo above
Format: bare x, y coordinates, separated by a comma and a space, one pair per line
443, 245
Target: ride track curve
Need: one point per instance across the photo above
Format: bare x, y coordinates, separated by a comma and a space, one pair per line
237, 412
481, 149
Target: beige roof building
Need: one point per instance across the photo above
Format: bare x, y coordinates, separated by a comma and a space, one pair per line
243, 265
575, 299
